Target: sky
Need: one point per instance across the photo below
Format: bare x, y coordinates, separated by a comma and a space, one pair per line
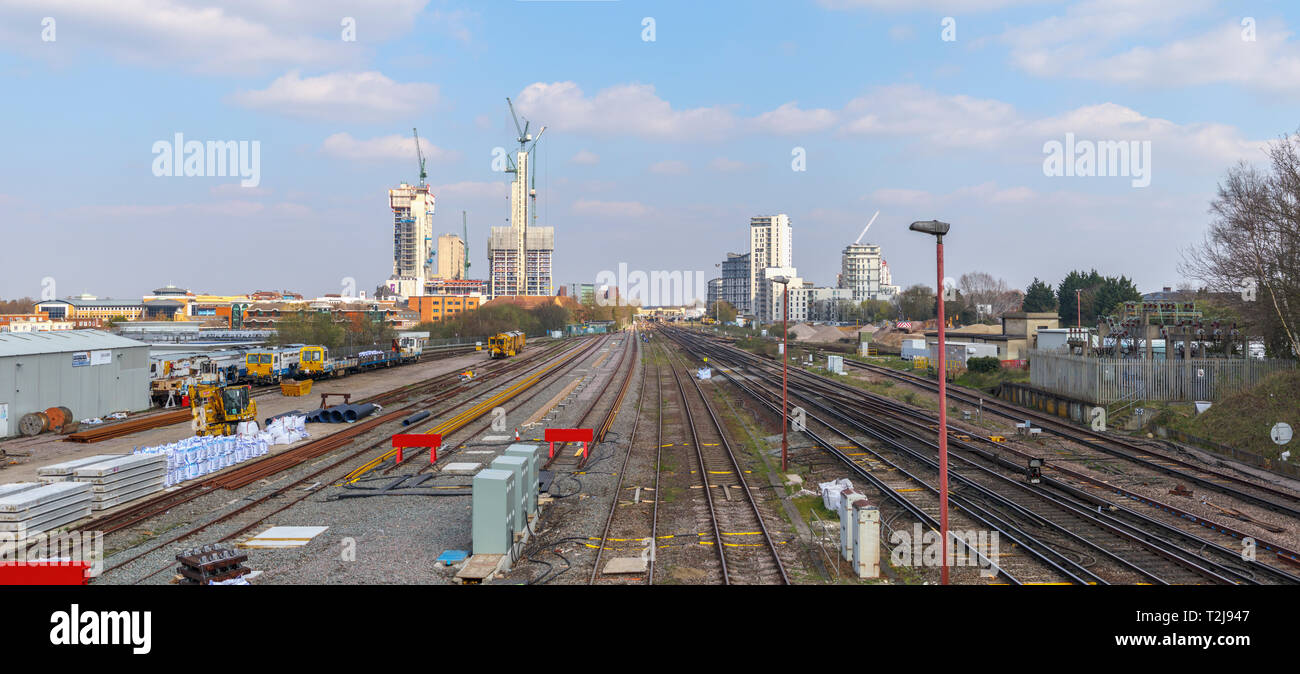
669, 124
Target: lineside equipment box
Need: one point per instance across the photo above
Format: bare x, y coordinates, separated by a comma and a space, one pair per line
493, 511
532, 474
516, 465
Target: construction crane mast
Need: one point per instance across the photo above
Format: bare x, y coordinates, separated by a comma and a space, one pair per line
464, 223
522, 197
419, 155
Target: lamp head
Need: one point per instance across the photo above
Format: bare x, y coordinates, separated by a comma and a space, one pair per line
934, 227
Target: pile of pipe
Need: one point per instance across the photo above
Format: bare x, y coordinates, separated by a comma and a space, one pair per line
340, 414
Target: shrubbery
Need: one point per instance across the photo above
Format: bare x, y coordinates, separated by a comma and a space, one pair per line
983, 364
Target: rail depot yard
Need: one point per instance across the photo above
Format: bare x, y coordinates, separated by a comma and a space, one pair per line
469, 319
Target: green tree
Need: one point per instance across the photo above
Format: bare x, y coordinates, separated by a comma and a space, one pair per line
916, 303
1039, 297
723, 311
370, 331
308, 327
1091, 296
1112, 293
876, 310
550, 317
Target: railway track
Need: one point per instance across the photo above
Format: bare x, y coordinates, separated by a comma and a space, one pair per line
1220, 481
262, 468
562, 462
327, 445
631, 516
745, 549
1053, 527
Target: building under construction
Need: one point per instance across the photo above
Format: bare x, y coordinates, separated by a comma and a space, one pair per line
519, 256
413, 240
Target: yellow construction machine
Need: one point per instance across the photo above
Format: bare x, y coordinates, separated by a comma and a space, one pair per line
217, 408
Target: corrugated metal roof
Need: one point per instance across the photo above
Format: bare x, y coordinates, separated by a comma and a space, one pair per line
61, 341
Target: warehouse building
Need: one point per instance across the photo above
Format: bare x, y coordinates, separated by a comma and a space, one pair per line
90, 372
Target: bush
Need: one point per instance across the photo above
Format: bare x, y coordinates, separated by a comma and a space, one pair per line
983, 364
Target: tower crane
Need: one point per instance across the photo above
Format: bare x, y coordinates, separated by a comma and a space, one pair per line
464, 223
419, 155
525, 192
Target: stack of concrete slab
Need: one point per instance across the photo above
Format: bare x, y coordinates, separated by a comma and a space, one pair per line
29, 508
124, 478
62, 471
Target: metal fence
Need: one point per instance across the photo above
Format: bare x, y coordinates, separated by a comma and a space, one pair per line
1107, 380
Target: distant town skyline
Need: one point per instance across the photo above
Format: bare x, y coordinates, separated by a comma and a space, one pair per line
1050, 134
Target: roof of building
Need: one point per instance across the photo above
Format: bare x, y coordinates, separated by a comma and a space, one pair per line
170, 289
107, 302
1036, 315
61, 341
948, 334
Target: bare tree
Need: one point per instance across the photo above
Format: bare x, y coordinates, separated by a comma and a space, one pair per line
1252, 247
982, 288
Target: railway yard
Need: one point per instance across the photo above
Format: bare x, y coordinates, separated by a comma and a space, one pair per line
682, 483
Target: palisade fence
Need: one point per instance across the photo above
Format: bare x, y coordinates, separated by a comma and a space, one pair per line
1108, 380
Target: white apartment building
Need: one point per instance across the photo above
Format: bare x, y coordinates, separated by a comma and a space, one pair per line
771, 245
864, 272
767, 302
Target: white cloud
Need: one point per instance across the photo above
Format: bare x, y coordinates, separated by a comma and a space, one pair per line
790, 119
1094, 40
942, 120
966, 6
901, 33
471, 190
585, 158
399, 147
726, 165
240, 36
346, 96
670, 167
946, 122
610, 209
622, 110
235, 189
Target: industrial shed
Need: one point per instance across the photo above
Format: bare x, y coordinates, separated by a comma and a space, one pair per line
91, 372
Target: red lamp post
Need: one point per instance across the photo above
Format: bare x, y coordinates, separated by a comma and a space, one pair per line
785, 363
938, 229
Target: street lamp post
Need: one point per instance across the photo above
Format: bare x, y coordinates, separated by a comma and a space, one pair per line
938, 229
785, 364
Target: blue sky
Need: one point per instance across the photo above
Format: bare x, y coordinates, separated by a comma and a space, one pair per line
657, 152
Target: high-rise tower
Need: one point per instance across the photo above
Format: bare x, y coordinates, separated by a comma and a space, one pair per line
413, 241
519, 256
